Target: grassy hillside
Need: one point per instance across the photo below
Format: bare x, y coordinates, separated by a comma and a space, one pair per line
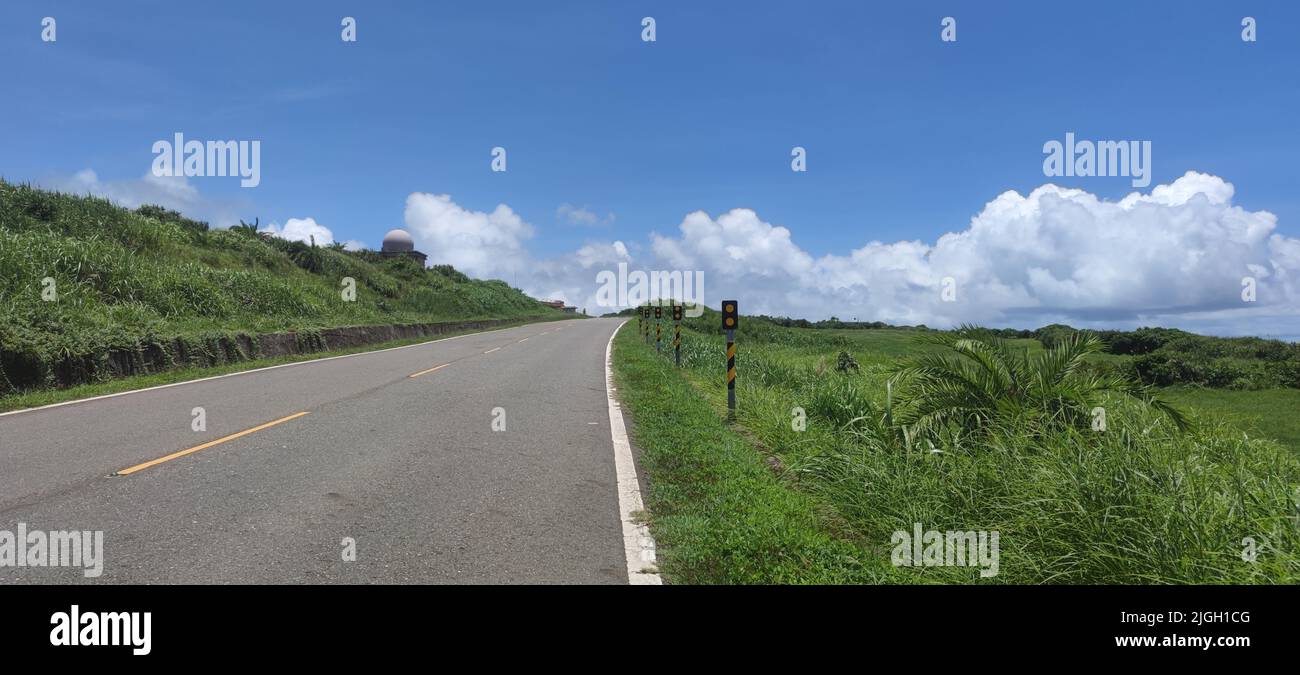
1140, 502
129, 279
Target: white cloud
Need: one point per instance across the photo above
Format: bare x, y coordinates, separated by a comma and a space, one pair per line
582, 215
602, 255
477, 243
301, 229
493, 245
1173, 256
1055, 254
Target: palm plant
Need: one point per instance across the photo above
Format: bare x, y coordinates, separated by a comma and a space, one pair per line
250, 229
981, 382
306, 256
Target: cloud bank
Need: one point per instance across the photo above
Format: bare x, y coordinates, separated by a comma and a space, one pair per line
1182, 249
1177, 255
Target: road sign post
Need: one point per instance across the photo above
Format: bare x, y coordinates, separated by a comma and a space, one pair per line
677, 335
730, 321
659, 315
645, 314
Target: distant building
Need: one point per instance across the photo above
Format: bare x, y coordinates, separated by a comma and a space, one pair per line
559, 304
398, 244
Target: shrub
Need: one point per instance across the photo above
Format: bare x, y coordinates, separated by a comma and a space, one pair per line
982, 382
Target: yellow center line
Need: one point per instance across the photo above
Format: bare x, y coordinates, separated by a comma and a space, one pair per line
182, 453
492, 350
426, 372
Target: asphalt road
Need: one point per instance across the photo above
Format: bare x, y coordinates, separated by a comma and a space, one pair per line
409, 468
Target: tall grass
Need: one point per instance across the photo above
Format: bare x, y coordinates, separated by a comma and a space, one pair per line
126, 280
1149, 500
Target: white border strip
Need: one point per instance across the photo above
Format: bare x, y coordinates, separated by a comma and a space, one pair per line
255, 370
637, 542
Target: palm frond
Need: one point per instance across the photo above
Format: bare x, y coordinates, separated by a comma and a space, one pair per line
980, 382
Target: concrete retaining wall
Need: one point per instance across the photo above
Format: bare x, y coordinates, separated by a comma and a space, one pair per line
25, 372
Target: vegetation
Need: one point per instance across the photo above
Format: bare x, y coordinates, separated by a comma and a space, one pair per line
971, 432
131, 282
985, 384
720, 515
1154, 356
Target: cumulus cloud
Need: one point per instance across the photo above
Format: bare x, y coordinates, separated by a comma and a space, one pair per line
301, 229
1181, 250
173, 192
493, 244
1176, 255
481, 244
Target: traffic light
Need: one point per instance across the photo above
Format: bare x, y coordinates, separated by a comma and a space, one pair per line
730, 318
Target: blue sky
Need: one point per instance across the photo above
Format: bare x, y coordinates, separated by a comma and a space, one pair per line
907, 137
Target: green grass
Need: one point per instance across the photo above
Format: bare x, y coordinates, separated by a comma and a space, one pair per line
720, 515
1268, 413
1140, 503
127, 281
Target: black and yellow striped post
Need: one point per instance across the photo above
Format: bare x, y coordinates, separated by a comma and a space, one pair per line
645, 314
677, 335
659, 315
730, 321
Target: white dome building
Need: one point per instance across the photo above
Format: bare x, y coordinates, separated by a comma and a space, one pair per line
399, 244
398, 241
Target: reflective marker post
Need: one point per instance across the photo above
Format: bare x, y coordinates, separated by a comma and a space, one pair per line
677, 335
659, 315
645, 313
730, 320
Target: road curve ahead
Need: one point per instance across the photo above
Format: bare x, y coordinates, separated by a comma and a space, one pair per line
484, 458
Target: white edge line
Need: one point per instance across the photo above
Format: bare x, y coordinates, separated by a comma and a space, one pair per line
249, 372
638, 545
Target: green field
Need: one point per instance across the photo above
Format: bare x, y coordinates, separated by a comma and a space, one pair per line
1266, 413
1140, 502
81, 278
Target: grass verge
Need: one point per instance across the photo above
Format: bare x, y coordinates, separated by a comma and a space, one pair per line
1137, 503
720, 514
